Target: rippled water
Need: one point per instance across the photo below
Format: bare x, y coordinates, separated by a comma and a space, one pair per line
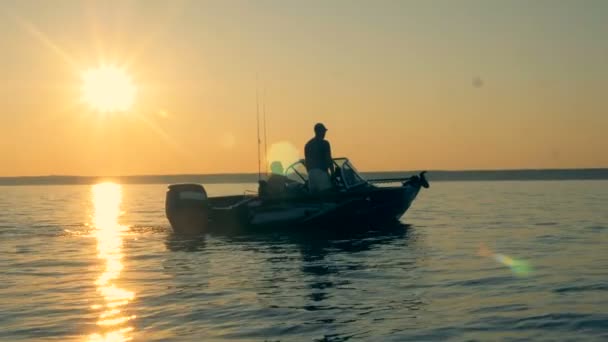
100, 263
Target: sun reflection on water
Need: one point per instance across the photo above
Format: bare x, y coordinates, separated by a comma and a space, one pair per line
112, 322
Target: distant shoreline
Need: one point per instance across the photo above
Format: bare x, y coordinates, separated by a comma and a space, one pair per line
433, 176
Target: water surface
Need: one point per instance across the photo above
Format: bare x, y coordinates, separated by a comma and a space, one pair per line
83, 263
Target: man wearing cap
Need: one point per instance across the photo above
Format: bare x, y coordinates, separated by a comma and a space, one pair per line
319, 164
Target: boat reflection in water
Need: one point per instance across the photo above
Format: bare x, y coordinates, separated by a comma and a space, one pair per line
326, 281
113, 323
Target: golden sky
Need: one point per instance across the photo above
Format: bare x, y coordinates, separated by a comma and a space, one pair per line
401, 85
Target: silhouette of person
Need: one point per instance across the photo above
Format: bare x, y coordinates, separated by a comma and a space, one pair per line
318, 160
277, 179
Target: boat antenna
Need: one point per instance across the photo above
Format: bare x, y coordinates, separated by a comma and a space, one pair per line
257, 105
265, 140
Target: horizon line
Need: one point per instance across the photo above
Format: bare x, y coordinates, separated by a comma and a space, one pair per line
249, 173
363, 172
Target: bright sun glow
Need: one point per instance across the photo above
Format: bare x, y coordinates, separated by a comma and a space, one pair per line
108, 89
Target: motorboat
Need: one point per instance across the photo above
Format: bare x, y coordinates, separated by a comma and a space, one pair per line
352, 202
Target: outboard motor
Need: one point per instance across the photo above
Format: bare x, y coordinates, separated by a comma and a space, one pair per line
187, 208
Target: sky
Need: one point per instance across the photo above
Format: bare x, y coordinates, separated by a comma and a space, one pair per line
401, 85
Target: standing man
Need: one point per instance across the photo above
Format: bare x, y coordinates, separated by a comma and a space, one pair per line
319, 163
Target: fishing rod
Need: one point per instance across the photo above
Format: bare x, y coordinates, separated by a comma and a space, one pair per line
420, 178
265, 139
257, 105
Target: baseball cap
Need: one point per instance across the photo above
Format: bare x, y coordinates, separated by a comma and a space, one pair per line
319, 127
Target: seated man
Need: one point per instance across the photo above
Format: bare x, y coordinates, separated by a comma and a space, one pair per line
277, 180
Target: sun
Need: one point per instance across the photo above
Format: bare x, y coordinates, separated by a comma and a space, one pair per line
108, 88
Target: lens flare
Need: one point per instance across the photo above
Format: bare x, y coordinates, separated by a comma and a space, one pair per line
284, 153
518, 267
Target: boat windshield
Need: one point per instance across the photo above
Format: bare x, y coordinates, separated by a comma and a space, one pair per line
348, 173
345, 171
297, 172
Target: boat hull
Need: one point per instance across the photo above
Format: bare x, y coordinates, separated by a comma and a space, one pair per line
370, 206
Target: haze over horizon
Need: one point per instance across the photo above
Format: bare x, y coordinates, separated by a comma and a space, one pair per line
401, 85
573, 171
